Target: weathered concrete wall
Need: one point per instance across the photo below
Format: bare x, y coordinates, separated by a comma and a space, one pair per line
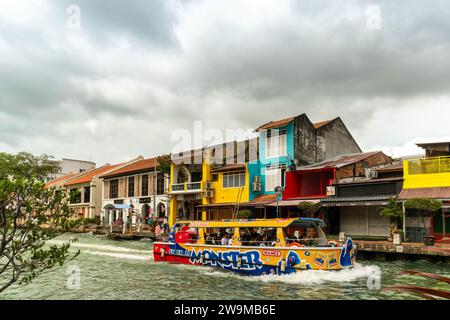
334, 139
304, 140
358, 169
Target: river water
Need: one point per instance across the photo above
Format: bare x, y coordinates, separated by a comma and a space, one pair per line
121, 270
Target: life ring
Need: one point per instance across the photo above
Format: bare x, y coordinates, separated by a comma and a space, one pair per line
295, 244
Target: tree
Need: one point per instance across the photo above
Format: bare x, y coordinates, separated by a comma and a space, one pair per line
426, 208
393, 210
30, 215
164, 163
24, 164
309, 208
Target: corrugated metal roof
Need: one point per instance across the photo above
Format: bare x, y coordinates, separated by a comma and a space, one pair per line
393, 167
339, 161
356, 199
442, 193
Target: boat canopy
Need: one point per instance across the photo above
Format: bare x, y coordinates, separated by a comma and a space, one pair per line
261, 223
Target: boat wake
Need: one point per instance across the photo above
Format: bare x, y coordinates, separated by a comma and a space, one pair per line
100, 247
124, 256
308, 277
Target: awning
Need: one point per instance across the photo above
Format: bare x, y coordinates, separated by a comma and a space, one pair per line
216, 205
291, 203
442, 193
122, 206
356, 201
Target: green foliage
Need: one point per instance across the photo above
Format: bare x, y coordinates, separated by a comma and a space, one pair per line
427, 208
26, 165
392, 210
244, 214
309, 207
164, 163
95, 220
30, 215
423, 205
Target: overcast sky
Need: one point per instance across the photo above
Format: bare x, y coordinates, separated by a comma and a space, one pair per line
135, 71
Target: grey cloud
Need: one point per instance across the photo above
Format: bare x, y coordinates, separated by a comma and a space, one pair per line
318, 59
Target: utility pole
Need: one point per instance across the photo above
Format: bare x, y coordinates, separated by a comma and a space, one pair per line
155, 185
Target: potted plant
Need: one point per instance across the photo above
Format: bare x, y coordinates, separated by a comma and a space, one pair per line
393, 211
426, 209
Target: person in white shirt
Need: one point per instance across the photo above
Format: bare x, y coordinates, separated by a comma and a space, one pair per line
225, 241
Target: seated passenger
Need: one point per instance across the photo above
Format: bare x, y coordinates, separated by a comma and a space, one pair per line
225, 240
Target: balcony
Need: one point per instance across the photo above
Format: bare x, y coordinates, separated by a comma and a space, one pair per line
187, 188
427, 173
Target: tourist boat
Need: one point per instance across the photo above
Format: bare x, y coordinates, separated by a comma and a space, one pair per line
256, 247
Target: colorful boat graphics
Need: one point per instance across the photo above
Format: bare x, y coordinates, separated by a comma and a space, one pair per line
283, 256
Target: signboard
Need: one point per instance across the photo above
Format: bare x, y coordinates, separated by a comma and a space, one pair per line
118, 201
145, 200
331, 191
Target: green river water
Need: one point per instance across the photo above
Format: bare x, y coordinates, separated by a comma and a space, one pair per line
124, 270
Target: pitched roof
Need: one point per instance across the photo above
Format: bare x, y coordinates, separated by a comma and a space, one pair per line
60, 180
89, 175
286, 121
134, 167
320, 124
275, 124
339, 161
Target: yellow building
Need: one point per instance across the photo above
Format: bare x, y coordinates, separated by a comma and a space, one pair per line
429, 177
206, 186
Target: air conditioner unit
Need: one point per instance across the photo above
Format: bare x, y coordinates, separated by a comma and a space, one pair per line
209, 193
256, 187
208, 185
257, 179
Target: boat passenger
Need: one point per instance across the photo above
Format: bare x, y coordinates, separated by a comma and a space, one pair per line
225, 241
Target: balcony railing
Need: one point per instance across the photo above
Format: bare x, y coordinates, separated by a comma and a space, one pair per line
429, 166
188, 187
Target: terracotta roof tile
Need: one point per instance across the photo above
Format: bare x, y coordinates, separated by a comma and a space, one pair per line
89, 175
138, 166
320, 124
60, 180
275, 124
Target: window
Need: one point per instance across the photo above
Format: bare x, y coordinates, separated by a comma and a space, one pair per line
131, 187
160, 184
87, 194
274, 177
276, 143
233, 179
75, 195
215, 177
114, 189
144, 185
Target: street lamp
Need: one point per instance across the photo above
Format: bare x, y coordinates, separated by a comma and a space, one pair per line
278, 191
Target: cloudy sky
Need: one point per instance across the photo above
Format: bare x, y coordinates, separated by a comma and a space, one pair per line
116, 80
